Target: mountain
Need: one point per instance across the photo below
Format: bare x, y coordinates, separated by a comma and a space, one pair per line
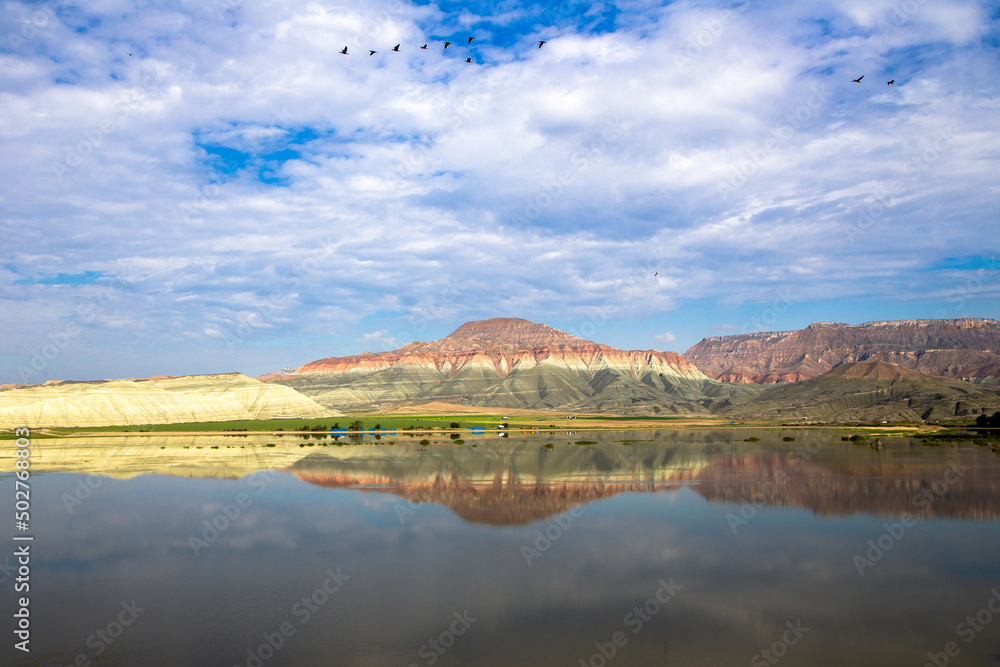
510, 363
868, 391
160, 400
957, 348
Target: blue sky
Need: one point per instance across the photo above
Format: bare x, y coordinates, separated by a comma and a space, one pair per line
236, 195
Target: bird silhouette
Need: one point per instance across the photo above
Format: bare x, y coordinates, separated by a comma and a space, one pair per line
344, 52
447, 44
540, 42
470, 41
371, 53
468, 60
130, 55
396, 48
890, 83
858, 80
656, 274
424, 46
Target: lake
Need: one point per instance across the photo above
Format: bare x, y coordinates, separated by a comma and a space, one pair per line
669, 547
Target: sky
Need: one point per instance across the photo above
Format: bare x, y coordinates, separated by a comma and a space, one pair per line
212, 186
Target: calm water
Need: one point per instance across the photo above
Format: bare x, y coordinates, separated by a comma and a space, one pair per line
680, 548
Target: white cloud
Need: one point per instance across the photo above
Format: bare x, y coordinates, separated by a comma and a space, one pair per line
665, 338
381, 340
364, 186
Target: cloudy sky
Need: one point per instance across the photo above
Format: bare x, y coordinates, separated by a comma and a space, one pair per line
209, 186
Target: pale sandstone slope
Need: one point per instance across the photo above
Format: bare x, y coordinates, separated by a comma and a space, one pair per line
193, 398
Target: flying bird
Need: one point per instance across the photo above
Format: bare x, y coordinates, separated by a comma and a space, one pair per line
540, 42
424, 46
470, 41
396, 48
447, 44
890, 83
468, 60
130, 55
858, 80
656, 274
371, 53
344, 52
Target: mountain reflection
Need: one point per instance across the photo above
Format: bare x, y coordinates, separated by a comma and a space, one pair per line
966, 488
524, 479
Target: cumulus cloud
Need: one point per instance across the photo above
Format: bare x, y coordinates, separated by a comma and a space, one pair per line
665, 338
238, 179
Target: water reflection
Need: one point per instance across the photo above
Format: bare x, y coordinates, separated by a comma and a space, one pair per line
526, 479
559, 555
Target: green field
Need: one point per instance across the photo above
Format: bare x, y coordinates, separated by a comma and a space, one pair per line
414, 423
426, 423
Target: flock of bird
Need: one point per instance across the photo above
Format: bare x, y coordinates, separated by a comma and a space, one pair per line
890, 82
395, 49
541, 43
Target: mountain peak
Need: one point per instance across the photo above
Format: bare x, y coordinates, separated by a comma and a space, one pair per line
506, 333
512, 363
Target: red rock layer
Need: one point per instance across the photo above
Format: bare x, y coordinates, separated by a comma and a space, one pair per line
955, 348
502, 345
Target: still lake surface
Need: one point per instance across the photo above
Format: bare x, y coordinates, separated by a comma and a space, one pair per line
683, 547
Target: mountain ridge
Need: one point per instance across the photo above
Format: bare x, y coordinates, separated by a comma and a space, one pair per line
868, 391
955, 348
513, 363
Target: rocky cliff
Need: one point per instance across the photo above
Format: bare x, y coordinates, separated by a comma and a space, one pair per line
194, 398
958, 348
510, 363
